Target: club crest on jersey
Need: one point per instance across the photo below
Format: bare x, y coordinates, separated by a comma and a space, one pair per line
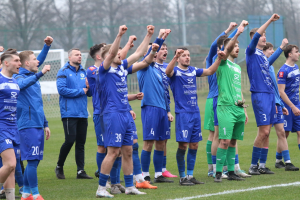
122, 79
14, 95
281, 74
190, 81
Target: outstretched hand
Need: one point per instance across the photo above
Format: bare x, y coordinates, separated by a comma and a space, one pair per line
48, 40
275, 17
167, 32
284, 43
1, 48
244, 23
150, 29
155, 47
231, 26
46, 69
240, 29
222, 55
122, 30
179, 52
140, 96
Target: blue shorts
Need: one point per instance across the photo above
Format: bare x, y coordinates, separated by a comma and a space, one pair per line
133, 128
168, 134
32, 143
280, 117
9, 138
155, 123
98, 130
188, 127
215, 104
117, 129
264, 108
291, 122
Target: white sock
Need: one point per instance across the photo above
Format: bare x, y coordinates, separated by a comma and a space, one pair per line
236, 167
10, 193
189, 177
253, 165
210, 167
157, 174
262, 165
25, 195
214, 168
35, 196
288, 161
164, 169
146, 174
225, 168
139, 178
278, 161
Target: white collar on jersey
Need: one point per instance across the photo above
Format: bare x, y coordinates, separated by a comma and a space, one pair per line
6, 76
183, 69
289, 65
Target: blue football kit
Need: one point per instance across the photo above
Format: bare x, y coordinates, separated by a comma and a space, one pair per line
114, 109
9, 91
184, 88
289, 75
91, 74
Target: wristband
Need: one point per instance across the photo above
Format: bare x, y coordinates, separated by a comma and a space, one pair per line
153, 52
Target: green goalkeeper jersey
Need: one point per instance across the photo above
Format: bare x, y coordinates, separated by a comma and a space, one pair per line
229, 83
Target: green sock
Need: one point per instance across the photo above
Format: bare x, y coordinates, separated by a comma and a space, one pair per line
230, 158
221, 157
208, 152
225, 162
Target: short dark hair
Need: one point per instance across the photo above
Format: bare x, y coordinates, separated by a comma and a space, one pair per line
164, 44
252, 32
268, 46
183, 48
288, 49
226, 41
220, 40
8, 54
96, 48
70, 51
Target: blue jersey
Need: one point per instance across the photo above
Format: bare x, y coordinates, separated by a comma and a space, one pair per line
91, 74
289, 75
112, 86
9, 91
166, 80
184, 88
258, 67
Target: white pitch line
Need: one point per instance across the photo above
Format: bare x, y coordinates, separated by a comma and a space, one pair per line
241, 190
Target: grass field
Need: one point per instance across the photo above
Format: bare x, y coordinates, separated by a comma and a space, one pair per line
53, 189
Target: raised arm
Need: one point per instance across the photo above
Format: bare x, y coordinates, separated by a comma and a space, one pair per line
142, 48
30, 80
127, 47
42, 56
278, 51
114, 48
213, 68
171, 65
264, 27
230, 46
147, 61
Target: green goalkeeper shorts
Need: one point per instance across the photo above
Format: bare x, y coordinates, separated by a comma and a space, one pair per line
231, 122
209, 115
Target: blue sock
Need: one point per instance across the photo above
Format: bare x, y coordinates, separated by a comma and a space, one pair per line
279, 156
191, 160
255, 155
99, 158
18, 173
128, 180
165, 162
32, 175
26, 187
214, 159
114, 172
103, 179
299, 146
145, 160
264, 155
136, 160
236, 159
158, 157
286, 155
181, 162
119, 169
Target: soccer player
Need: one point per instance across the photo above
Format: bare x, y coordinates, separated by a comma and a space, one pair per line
9, 137
213, 87
155, 115
232, 115
73, 91
32, 122
114, 109
188, 121
262, 92
161, 66
288, 85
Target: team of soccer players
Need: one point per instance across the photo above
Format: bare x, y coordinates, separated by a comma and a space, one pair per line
23, 122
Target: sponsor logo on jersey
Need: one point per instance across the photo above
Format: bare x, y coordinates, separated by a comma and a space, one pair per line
281, 74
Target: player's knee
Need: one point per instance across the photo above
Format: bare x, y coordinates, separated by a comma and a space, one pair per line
224, 144
232, 143
101, 149
148, 145
182, 145
11, 165
193, 145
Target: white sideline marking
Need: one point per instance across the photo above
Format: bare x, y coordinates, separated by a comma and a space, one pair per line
241, 190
